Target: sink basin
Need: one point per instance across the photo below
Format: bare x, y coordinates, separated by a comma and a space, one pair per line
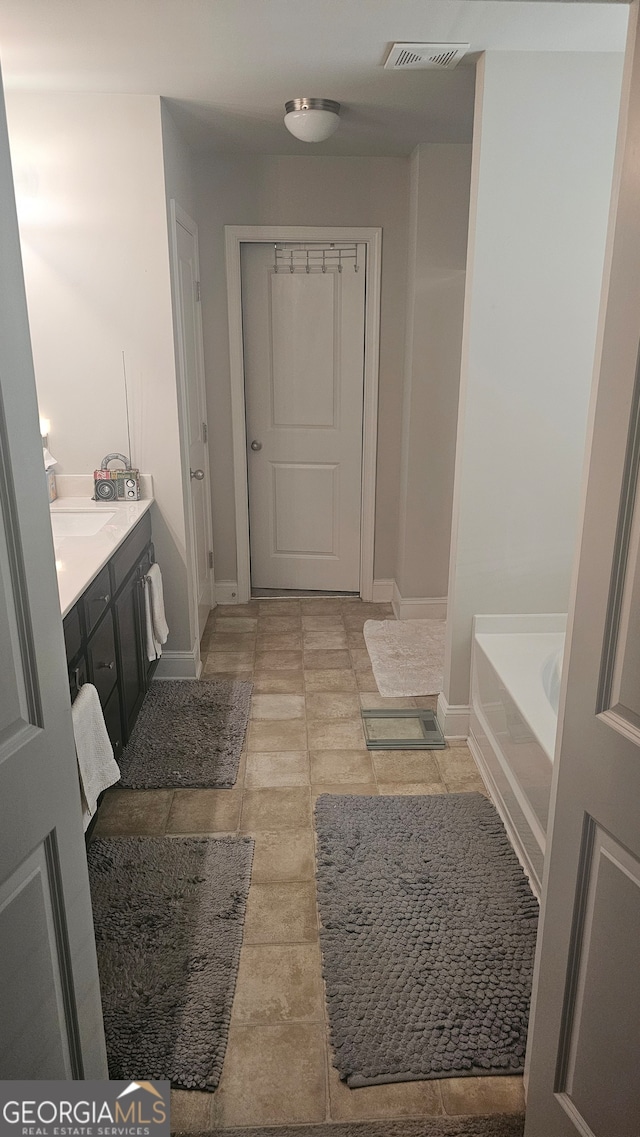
78, 523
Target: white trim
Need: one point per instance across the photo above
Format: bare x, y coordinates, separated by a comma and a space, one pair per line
179, 664
226, 592
418, 607
453, 720
382, 592
235, 235
178, 216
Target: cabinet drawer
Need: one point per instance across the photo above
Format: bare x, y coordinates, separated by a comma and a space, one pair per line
113, 724
72, 628
130, 552
96, 599
101, 651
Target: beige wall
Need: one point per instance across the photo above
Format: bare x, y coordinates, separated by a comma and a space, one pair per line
438, 225
90, 182
304, 191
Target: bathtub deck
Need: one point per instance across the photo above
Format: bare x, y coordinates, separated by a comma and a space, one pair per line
518, 659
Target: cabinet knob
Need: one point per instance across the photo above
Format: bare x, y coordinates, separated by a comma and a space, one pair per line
102, 599
108, 666
197, 474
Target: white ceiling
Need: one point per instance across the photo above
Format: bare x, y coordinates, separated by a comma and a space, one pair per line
229, 65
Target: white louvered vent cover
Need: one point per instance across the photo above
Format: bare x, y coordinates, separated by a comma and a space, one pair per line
433, 56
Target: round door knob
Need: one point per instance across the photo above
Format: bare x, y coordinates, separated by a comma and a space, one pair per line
255, 445
197, 474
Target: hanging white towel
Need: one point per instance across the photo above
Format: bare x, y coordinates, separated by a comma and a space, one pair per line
98, 768
160, 629
154, 649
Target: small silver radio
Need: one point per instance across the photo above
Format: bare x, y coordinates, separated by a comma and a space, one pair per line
116, 485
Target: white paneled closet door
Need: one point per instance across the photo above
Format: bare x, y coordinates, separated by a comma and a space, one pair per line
304, 356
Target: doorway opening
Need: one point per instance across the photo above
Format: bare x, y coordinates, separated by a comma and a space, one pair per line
304, 309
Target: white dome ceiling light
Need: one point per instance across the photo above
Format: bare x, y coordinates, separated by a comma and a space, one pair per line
312, 120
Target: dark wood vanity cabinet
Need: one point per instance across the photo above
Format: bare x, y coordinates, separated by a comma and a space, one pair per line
105, 635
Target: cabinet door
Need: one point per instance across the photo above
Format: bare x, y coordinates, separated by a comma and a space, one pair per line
102, 658
130, 651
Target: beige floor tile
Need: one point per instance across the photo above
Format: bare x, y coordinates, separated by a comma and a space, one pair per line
468, 786
279, 768
277, 706
325, 640
391, 789
279, 607
234, 610
278, 683
457, 766
269, 625
372, 701
278, 660
356, 640
322, 606
427, 702
125, 813
278, 734
482, 1095
190, 1111
272, 809
204, 811
366, 681
338, 679
228, 662
273, 1075
281, 912
312, 623
360, 660
284, 855
279, 641
336, 734
324, 659
368, 789
236, 624
405, 766
397, 1100
332, 705
336, 766
279, 983
226, 641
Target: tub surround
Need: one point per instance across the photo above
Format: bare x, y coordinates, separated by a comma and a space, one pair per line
513, 722
80, 559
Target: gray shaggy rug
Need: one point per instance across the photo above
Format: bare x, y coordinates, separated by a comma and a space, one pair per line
188, 735
501, 1125
168, 915
428, 937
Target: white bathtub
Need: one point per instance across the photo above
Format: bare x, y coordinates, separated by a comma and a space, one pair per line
516, 666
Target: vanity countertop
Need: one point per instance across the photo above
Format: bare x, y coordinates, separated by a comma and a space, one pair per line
79, 559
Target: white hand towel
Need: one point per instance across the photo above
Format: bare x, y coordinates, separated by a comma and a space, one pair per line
154, 649
98, 768
160, 629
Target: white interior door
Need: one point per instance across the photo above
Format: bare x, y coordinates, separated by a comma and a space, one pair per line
585, 1040
194, 407
304, 358
50, 1013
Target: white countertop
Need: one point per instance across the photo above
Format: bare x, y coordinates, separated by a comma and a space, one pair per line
79, 559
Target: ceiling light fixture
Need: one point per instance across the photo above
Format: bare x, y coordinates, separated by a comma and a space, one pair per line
311, 120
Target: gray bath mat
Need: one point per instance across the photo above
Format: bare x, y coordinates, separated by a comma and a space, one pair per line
428, 937
188, 735
500, 1125
168, 915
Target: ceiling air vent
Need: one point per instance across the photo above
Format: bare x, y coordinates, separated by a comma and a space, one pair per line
433, 56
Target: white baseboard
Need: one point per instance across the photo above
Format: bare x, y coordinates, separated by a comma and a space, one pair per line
226, 592
382, 591
179, 664
453, 720
418, 607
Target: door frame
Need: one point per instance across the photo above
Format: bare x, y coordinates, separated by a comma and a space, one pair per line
235, 237
177, 215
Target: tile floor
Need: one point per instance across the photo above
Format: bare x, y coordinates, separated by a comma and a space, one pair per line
311, 676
